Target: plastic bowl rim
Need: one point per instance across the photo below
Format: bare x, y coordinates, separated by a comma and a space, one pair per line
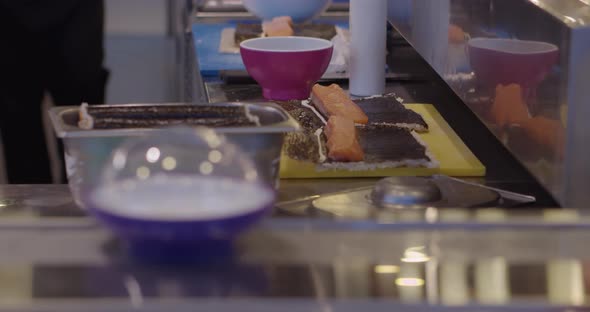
551, 48
93, 206
329, 44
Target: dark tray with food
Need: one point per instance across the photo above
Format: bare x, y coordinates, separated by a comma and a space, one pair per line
374, 136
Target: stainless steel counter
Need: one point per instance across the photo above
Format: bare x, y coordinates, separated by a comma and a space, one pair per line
296, 264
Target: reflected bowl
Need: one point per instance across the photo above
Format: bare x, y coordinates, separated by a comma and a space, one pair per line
505, 61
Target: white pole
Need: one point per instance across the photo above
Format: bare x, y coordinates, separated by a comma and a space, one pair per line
368, 29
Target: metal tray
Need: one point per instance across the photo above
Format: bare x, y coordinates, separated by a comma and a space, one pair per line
87, 150
273, 119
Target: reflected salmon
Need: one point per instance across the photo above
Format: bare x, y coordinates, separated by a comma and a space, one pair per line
333, 101
509, 106
343, 144
456, 34
547, 133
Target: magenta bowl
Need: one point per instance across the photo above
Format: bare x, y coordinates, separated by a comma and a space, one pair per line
286, 67
505, 61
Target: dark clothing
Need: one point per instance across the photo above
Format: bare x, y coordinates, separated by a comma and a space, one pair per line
47, 46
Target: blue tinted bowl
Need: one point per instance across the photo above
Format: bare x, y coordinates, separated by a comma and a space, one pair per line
299, 10
177, 241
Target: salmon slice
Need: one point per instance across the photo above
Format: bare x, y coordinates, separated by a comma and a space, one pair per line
547, 133
283, 19
333, 101
456, 34
277, 29
343, 144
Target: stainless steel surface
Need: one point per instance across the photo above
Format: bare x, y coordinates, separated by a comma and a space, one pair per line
47, 206
307, 265
39, 207
396, 199
86, 151
552, 140
521, 198
405, 192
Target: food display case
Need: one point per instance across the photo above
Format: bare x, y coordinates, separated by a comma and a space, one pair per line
414, 79
516, 65
507, 232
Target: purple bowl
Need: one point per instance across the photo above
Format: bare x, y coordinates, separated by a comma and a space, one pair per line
505, 61
177, 241
286, 67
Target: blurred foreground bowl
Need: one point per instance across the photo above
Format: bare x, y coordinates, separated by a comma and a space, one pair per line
182, 194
